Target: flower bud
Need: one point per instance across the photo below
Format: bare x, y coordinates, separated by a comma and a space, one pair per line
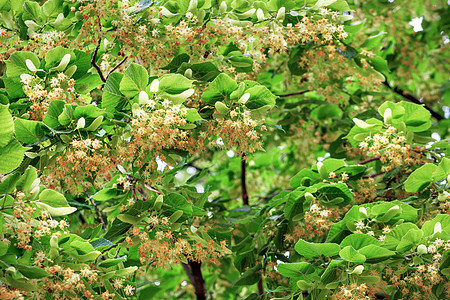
188, 73
165, 12
223, 7
59, 19
244, 98
81, 123
361, 123
358, 270
154, 86
422, 249
64, 62
309, 196
143, 97
192, 5
30, 65
280, 14
437, 227
388, 116
260, 14
363, 212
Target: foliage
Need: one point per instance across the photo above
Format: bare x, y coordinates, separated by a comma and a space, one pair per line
224, 150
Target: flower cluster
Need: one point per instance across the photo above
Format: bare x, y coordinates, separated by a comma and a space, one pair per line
354, 292
163, 248
40, 94
418, 284
393, 149
26, 223
84, 161
315, 225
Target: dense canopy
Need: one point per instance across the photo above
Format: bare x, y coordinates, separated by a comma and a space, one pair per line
237, 149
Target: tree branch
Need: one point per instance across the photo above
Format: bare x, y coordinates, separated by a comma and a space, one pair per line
243, 184
413, 99
117, 66
369, 160
293, 94
94, 64
97, 210
194, 272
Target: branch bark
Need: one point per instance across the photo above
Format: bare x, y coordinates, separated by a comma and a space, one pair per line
413, 99
369, 160
293, 94
194, 272
97, 210
94, 64
243, 183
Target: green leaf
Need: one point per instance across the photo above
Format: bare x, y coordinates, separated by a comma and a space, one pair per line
174, 84
417, 118
111, 262
359, 240
348, 253
178, 202
54, 56
105, 194
394, 237
428, 226
193, 115
112, 96
219, 89
250, 277
260, 96
31, 272
55, 108
56, 211
135, 80
30, 132
410, 240
16, 66
420, 178
53, 198
443, 169
376, 252
6, 125
52, 8
11, 156
311, 250
295, 269
176, 62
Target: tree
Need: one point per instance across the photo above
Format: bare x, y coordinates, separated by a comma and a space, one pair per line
224, 150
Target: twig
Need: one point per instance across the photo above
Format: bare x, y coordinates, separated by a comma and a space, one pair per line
369, 160
97, 210
94, 64
117, 66
374, 175
243, 184
293, 94
132, 188
152, 189
413, 99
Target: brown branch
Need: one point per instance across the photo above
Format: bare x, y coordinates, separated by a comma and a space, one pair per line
260, 288
94, 64
194, 272
369, 160
293, 94
243, 184
116, 66
413, 99
97, 210
374, 175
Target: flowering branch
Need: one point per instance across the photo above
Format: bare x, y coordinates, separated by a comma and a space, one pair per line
117, 66
413, 99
